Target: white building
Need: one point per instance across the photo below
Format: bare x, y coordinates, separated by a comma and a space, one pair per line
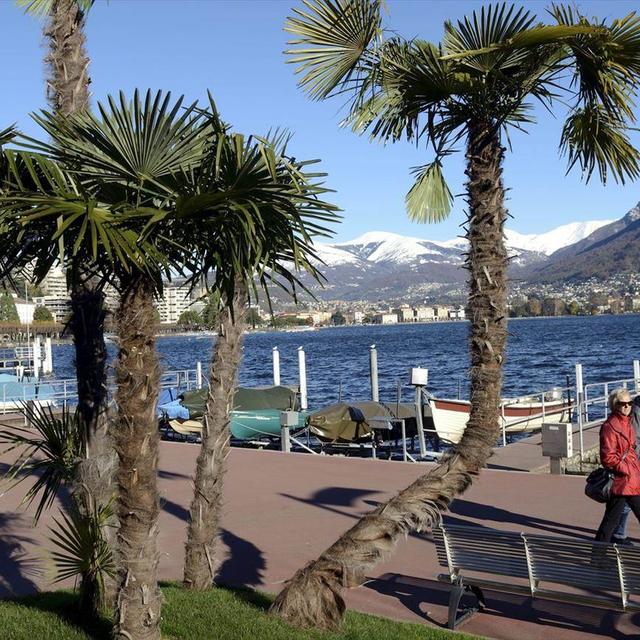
387, 318
457, 314
424, 314
175, 300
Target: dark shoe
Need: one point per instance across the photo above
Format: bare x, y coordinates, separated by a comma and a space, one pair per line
624, 542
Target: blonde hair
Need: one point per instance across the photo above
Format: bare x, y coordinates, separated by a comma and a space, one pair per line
614, 397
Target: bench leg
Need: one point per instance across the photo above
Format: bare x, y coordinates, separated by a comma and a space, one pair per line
458, 589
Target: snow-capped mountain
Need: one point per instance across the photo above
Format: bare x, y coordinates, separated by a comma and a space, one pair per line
555, 239
380, 265
392, 248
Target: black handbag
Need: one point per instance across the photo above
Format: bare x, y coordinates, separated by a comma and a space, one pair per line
599, 483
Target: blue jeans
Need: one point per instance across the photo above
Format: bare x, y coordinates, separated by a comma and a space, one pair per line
621, 530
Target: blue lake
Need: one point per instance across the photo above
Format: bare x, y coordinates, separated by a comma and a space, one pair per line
541, 353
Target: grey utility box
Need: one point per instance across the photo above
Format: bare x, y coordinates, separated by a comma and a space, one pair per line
288, 418
557, 440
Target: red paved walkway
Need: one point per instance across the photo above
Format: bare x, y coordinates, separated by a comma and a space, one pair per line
283, 509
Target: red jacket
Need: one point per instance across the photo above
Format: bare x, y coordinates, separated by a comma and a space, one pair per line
618, 436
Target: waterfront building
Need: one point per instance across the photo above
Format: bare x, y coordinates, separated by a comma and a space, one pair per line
175, 300
424, 314
441, 313
458, 313
386, 318
405, 313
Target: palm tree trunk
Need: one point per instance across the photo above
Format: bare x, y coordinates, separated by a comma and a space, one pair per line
136, 438
68, 82
312, 598
68, 93
202, 554
94, 482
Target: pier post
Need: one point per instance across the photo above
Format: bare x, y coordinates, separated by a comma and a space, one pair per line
636, 374
276, 367
419, 424
302, 372
48, 356
580, 405
37, 349
198, 375
285, 440
373, 368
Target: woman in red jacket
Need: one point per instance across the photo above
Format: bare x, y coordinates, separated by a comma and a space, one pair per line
618, 453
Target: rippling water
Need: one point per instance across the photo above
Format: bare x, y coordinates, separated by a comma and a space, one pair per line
541, 353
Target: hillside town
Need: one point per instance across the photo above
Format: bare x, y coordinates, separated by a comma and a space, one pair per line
181, 306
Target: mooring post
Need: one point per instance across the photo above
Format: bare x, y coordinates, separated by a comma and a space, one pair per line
276, 367
48, 356
373, 368
580, 405
37, 354
636, 374
198, 375
302, 369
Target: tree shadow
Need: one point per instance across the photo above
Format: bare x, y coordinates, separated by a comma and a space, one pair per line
479, 511
330, 498
17, 569
417, 593
175, 509
244, 565
66, 606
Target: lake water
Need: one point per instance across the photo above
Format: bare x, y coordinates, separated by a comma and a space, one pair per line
541, 353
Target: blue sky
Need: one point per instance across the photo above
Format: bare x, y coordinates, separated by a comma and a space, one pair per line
234, 49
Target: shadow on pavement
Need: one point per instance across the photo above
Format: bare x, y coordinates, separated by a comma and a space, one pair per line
418, 595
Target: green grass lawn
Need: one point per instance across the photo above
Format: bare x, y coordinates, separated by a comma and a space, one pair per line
220, 614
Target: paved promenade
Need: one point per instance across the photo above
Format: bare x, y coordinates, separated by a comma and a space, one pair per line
283, 509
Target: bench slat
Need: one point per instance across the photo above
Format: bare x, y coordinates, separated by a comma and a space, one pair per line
574, 563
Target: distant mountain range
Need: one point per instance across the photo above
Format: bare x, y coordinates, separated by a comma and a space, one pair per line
387, 266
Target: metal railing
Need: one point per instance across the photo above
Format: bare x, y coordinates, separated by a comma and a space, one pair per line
64, 392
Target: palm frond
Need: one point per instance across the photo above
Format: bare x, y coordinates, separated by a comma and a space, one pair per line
592, 138
334, 36
44, 7
430, 199
49, 449
81, 548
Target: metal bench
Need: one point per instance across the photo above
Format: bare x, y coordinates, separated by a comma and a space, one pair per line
597, 573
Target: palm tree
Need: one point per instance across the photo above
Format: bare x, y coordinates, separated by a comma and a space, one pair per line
284, 215
99, 181
68, 92
68, 81
467, 90
125, 190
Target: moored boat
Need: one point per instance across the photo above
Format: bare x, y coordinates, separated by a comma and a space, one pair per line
255, 414
518, 415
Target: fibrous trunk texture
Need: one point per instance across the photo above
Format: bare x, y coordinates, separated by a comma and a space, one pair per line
136, 439
312, 598
68, 82
68, 92
94, 485
202, 552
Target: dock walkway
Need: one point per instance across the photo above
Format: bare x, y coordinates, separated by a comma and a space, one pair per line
526, 454
282, 510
